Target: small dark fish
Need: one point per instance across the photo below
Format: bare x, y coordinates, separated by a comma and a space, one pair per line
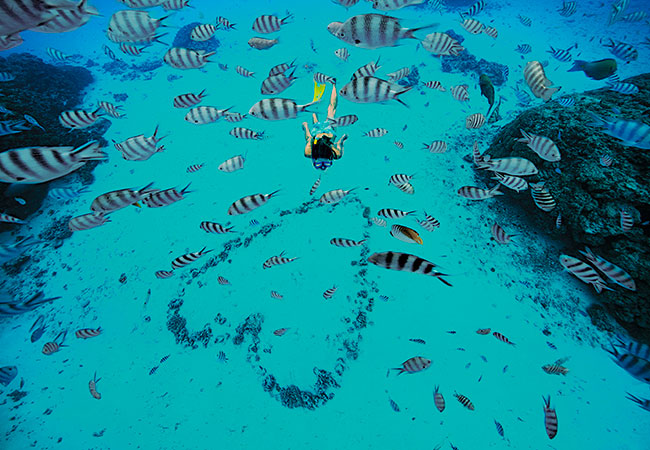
164, 358
467, 365
39, 328
418, 341
483, 358
405, 127
551, 345
221, 357
451, 332
480, 378
383, 297
499, 428
453, 447
22, 383
393, 405
223, 67
253, 223
505, 368
460, 349
313, 46
153, 370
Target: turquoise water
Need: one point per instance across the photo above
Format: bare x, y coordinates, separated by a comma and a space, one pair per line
197, 400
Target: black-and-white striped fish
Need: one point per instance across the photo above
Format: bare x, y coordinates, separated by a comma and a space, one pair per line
88, 221
276, 83
525, 21
568, 9
233, 117
329, 293
164, 274
203, 32
244, 72
623, 51
232, 164
407, 188
130, 49
474, 121
140, 148
500, 235
222, 281
334, 196
636, 366
372, 31
367, 70
188, 258
4, 217
474, 9
183, 58
269, 24
78, 119
245, 133
399, 179
202, 115
215, 228
372, 90
32, 165
165, 197
277, 109
524, 49
399, 74
635, 348
472, 26
175, 5
121, 198
132, 26
626, 220
57, 54
314, 186
276, 295
437, 85
16, 307
399, 145
277, 260
436, 147
66, 193
391, 5
20, 15
429, 223
7, 374
342, 53
561, 55
515, 183
543, 146
623, 88
441, 44
379, 221
536, 80
631, 133
249, 203
550, 418
391, 213
342, 242
460, 92
584, 272
376, 132
542, 197
225, 23
611, 271
636, 16
110, 109
475, 193
567, 102
343, 120
321, 78
282, 68
492, 32
406, 262
188, 100
511, 166
405, 234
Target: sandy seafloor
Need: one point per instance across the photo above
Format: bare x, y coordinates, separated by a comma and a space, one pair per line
194, 401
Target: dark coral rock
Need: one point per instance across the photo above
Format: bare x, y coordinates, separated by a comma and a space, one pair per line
588, 195
252, 325
121, 97
57, 230
466, 63
43, 91
15, 266
412, 79
182, 39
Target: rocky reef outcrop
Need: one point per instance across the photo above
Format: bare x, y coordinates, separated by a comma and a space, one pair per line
465, 62
590, 194
42, 91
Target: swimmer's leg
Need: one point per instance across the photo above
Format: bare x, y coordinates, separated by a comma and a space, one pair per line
331, 109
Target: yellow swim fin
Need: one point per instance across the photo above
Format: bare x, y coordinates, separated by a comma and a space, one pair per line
319, 90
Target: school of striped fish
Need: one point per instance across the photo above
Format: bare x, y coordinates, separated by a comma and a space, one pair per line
139, 29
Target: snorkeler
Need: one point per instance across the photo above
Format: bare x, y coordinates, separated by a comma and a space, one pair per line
320, 145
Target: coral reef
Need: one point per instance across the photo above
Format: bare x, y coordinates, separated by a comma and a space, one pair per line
589, 195
182, 39
43, 91
412, 79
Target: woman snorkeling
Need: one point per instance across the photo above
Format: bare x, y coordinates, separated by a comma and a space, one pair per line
320, 145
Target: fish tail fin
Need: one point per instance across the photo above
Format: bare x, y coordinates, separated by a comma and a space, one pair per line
495, 190
88, 151
400, 93
439, 276
399, 369
185, 191
205, 56
410, 33
578, 65
273, 193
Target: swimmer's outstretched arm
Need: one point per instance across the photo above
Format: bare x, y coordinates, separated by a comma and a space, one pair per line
308, 139
339, 146
331, 109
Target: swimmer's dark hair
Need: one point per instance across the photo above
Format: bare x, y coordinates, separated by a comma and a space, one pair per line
322, 149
